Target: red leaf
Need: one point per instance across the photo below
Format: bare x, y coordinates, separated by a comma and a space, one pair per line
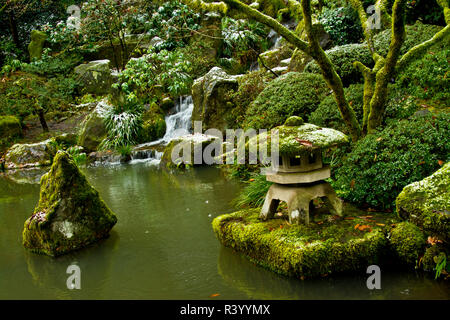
305, 143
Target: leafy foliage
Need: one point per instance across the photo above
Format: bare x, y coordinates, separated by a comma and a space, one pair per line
342, 24
166, 69
377, 168
123, 124
254, 193
291, 94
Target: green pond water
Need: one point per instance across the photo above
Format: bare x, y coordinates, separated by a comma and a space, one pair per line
163, 247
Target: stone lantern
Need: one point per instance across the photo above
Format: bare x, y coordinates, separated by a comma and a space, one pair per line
299, 176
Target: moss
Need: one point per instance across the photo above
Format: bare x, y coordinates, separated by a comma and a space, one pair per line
154, 126
415, 34
432, 256
342, 58
294, 121
70, 214
427, 202
408, 242
288, 95
36, 45
322, 248
294, 140
10, 129
92, 132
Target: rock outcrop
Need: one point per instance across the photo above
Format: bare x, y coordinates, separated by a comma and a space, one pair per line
211, 98
93, 130
426, 203
70, 214
28, 155
95, 76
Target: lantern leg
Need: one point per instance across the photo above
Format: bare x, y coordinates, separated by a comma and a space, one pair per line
269, 207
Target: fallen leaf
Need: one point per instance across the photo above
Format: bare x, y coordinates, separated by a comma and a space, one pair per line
305, 143
320, 222
440, 162
357, 226
214, 295
433, 240
251, 180
381, 224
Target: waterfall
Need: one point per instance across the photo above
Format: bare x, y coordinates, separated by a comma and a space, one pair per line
178, 124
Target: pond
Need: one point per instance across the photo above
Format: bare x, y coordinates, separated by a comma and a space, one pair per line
163, 247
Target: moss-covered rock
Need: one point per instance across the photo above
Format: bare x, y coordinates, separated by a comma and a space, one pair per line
93, 129
10, 129
272, 58
408, 242
212, 98
288, 95
29, 155
180, 152
70, 214
322, 248
154, 126
426, 203
36, 45
95, 77
432, 256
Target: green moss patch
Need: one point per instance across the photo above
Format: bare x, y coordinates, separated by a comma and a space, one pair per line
328, 245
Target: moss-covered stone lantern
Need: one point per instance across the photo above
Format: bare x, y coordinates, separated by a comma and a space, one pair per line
299, 176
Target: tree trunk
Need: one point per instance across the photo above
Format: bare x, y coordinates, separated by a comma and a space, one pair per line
13, 28
42, 120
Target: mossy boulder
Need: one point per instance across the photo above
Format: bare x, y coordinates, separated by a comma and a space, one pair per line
426, 203
180, 152
29, 155
212, 98
93, 129
10, 129
272, 58
322, 248
36, 45
408, 242
70, 214
292, 94
95, 77
154, 126
433, 256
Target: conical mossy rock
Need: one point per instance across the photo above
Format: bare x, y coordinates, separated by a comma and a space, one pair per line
70, 214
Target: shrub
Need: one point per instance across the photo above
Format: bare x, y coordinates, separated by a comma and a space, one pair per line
427, 11
399, 106
428, 77
250, 86
254, 193
380, 165
123, 125
415, 34
327, 113
291, 94
49, 66
342, 24
343, 57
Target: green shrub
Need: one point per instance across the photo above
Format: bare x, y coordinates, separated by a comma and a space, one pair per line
399, 106
428, 77
291, 94
254, 193
123, 124
343, 57
380, 165
427, 11
250, 86
10, 129
49, 66
415, 34
327, 113
342, 24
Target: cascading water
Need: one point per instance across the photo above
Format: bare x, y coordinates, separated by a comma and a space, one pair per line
177, 124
